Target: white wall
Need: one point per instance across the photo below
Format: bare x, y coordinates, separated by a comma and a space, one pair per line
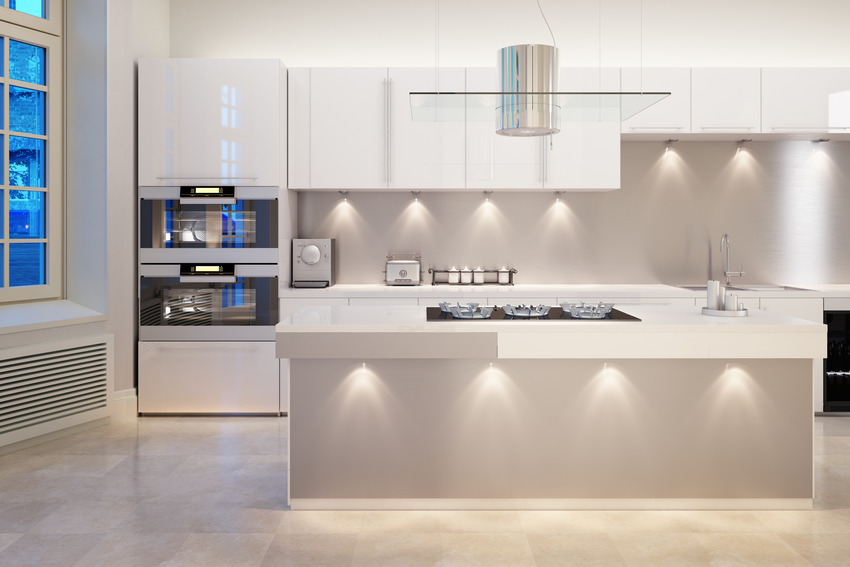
139, 28
692, 33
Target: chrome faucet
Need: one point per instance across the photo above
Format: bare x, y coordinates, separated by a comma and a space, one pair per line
724, 247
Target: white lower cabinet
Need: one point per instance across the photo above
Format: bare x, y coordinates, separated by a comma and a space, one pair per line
209, 377
289, 306
619, 301
383, 301
454, 300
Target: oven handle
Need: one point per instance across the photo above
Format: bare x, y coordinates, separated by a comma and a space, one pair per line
207, 279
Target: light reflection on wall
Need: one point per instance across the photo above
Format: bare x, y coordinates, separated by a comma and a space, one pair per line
488, 417
804, 209
414, 224
559, 220
363, 406
615, 414
733, 402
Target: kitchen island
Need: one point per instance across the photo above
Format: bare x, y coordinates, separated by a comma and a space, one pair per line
677, 410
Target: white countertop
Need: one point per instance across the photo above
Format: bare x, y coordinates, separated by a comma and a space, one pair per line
578, 291
528, 290
663, 332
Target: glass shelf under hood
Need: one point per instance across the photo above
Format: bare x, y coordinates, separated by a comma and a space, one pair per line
574, 106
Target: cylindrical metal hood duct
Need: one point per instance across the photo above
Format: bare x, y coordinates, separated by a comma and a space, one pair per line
528, 69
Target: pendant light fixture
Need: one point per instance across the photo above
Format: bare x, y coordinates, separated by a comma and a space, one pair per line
528, 102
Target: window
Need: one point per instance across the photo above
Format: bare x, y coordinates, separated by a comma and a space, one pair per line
31, 241
31, 7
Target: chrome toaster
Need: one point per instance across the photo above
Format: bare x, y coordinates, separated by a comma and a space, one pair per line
403, 272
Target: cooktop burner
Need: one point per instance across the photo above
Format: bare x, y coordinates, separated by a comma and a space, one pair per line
555, 314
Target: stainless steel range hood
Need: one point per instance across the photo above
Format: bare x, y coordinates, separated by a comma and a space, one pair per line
525, 69
528, 102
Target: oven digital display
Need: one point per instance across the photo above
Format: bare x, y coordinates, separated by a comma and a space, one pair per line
207, 270
225, 191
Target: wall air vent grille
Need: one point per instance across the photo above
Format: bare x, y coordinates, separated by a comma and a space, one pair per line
53, 386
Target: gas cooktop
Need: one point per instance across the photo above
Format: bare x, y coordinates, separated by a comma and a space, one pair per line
555, 314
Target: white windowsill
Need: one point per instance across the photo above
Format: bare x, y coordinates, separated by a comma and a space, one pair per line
45, 315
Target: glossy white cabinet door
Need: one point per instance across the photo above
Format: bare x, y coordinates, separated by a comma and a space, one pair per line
583, 155
805, 100
424, 155
215, 121
726, 101
498, 162
348, 128
208, 377
298, 102
671, 115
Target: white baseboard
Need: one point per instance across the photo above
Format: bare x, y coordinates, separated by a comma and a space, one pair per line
125, 405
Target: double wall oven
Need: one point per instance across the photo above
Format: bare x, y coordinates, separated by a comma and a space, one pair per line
208, 300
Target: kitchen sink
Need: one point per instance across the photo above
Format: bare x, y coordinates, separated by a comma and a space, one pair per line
747, 287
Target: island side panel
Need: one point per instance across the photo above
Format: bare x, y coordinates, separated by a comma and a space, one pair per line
567, 429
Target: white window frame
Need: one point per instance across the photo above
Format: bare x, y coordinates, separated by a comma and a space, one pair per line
52, 24
44, 33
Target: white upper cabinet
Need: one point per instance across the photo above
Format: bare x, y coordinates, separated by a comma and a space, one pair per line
726, 101
583, 156
348, 128
210, 121
498, 162
671, 115
805, 100
424, 155
298, 101
352, 129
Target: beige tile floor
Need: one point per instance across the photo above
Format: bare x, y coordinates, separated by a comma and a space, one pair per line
211, 491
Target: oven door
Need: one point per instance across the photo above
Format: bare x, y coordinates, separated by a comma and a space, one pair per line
241, 305
235, 224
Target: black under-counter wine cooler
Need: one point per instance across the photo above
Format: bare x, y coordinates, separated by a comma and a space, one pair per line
836, 379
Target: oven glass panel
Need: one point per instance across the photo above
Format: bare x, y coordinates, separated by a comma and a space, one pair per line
247, 302
246, 224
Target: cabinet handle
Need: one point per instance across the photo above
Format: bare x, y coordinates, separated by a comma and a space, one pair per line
202, 177
389, 131
386, 131
656, 127
820, 128
706, 128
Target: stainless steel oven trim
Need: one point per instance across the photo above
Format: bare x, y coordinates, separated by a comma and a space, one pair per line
208, 255
242, 270
222, 333
241, 193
